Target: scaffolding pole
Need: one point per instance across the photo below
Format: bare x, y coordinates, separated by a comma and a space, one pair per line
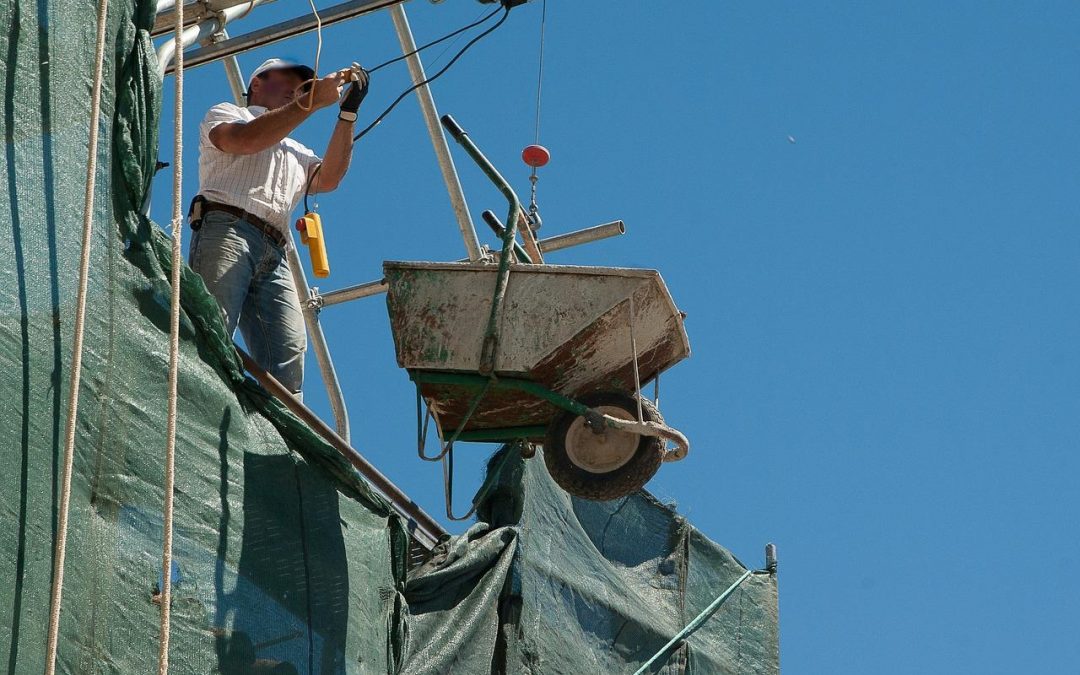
438, 141
281, 31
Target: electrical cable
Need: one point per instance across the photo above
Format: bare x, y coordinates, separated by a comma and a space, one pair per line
438, 57
428, 80
461, 52
444, 38
307, 187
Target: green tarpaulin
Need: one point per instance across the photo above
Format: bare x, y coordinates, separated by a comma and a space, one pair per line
286, 561
546, 583
265, 571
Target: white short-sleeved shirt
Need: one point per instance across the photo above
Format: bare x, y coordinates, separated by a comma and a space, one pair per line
267, 184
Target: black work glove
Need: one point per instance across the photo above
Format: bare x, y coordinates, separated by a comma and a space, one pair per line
357, 91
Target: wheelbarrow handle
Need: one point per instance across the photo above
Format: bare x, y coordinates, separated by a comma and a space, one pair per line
490, 348
682, 444
497, 227
452, 127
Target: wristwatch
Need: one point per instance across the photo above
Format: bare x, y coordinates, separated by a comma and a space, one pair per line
346, 116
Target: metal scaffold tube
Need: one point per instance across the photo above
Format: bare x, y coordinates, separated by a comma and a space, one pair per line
585, 236
438, 141
280, 31
351, 293
232, 72
318, 344
203, 30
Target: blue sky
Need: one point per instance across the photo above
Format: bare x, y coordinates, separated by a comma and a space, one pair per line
884, 313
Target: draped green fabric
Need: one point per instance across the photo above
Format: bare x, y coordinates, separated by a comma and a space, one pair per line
266, 575
547, 583
285, 560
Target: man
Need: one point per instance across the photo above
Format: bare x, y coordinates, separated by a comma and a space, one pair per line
251, 176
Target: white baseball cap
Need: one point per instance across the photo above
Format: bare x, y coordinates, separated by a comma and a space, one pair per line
300, 69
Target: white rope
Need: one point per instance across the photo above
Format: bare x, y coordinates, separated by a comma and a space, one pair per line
60, 551
318, 55
174, 344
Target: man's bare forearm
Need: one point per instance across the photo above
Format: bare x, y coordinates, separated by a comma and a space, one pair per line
266, 130
336, 158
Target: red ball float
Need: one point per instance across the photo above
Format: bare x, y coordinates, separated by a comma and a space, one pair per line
536, 156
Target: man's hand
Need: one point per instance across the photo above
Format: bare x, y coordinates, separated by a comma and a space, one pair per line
327, 90
357, 91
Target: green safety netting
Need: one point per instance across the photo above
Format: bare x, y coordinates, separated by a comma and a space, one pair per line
286, 561
547, 583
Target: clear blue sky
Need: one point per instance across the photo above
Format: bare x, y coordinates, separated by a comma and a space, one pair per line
884, 314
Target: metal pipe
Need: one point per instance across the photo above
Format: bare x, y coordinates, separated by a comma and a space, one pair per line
352, 293
283, 30
201, 31
500, 231
167, 51
502, 435
233, 74
473, 381
557, 243
195, 11
438, 140
489, 350
589, 234
318, 342
420, 522
693, 625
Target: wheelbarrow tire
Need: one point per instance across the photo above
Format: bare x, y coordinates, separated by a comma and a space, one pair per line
622, 481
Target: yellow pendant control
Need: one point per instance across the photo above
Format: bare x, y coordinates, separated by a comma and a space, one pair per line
311, 235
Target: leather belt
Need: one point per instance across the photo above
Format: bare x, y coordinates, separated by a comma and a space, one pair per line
266, 228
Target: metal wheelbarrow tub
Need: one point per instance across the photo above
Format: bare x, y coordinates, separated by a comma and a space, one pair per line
563, 370
566, 328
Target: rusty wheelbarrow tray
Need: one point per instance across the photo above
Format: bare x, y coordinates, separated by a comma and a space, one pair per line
565, 332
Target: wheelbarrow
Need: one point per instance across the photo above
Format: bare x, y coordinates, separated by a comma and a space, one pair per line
564, 372
551, 354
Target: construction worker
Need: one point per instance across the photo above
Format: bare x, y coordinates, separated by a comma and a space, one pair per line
251, 177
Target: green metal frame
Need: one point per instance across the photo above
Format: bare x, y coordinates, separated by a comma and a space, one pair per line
478, 382
490, 347
502, 435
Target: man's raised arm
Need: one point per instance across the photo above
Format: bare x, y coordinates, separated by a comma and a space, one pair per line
339, 151
266, 130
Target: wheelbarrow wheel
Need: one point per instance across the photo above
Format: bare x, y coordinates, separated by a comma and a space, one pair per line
607, 465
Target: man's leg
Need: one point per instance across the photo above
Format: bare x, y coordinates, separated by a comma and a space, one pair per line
222, 256
272, 323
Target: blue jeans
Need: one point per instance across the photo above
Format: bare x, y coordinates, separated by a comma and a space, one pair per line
249, 275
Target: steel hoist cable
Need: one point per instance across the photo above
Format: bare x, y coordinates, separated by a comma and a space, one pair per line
540, 69
533, 177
